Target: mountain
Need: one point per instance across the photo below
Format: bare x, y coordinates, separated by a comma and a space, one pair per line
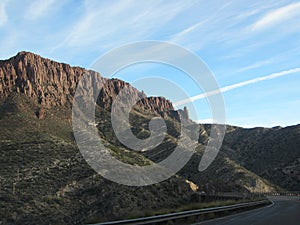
271, 153
45, 180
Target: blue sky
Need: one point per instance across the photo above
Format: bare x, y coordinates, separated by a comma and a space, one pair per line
238, 40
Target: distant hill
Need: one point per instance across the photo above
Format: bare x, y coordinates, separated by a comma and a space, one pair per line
45, 180
271, 153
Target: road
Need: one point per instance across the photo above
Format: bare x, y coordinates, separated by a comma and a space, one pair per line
283, 211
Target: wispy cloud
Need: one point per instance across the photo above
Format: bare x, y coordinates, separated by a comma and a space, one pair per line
238, 85
223, 25
255, 65
39, 8
3, 15
276, 16
199, 34
108, 25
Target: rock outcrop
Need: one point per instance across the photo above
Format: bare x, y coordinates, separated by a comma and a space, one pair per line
54, 84
48, 82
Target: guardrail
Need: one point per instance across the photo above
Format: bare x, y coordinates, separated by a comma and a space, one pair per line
288, 193
251, 194
185, 214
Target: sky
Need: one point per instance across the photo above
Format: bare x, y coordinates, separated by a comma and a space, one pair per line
251, 47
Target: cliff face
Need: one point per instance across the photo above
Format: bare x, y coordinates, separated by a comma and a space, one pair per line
111, 88
48, 82
53, 84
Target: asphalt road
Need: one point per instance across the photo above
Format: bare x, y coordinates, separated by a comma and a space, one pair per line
284, 211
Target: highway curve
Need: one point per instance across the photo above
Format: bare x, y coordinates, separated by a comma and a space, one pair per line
285, 210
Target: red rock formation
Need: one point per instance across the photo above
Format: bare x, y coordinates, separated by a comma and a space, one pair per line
159, 105
53, 84
49, 82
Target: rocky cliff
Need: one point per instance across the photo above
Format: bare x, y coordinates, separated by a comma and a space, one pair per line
48, 82
54, 84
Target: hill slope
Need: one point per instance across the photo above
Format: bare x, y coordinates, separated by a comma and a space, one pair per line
45, 180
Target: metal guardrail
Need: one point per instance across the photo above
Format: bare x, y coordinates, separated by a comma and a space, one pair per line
289, 193
184, 214
250, 194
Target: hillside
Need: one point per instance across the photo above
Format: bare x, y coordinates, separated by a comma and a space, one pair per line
45, 180
271, 153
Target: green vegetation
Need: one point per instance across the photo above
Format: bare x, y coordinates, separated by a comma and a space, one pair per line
129, 157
